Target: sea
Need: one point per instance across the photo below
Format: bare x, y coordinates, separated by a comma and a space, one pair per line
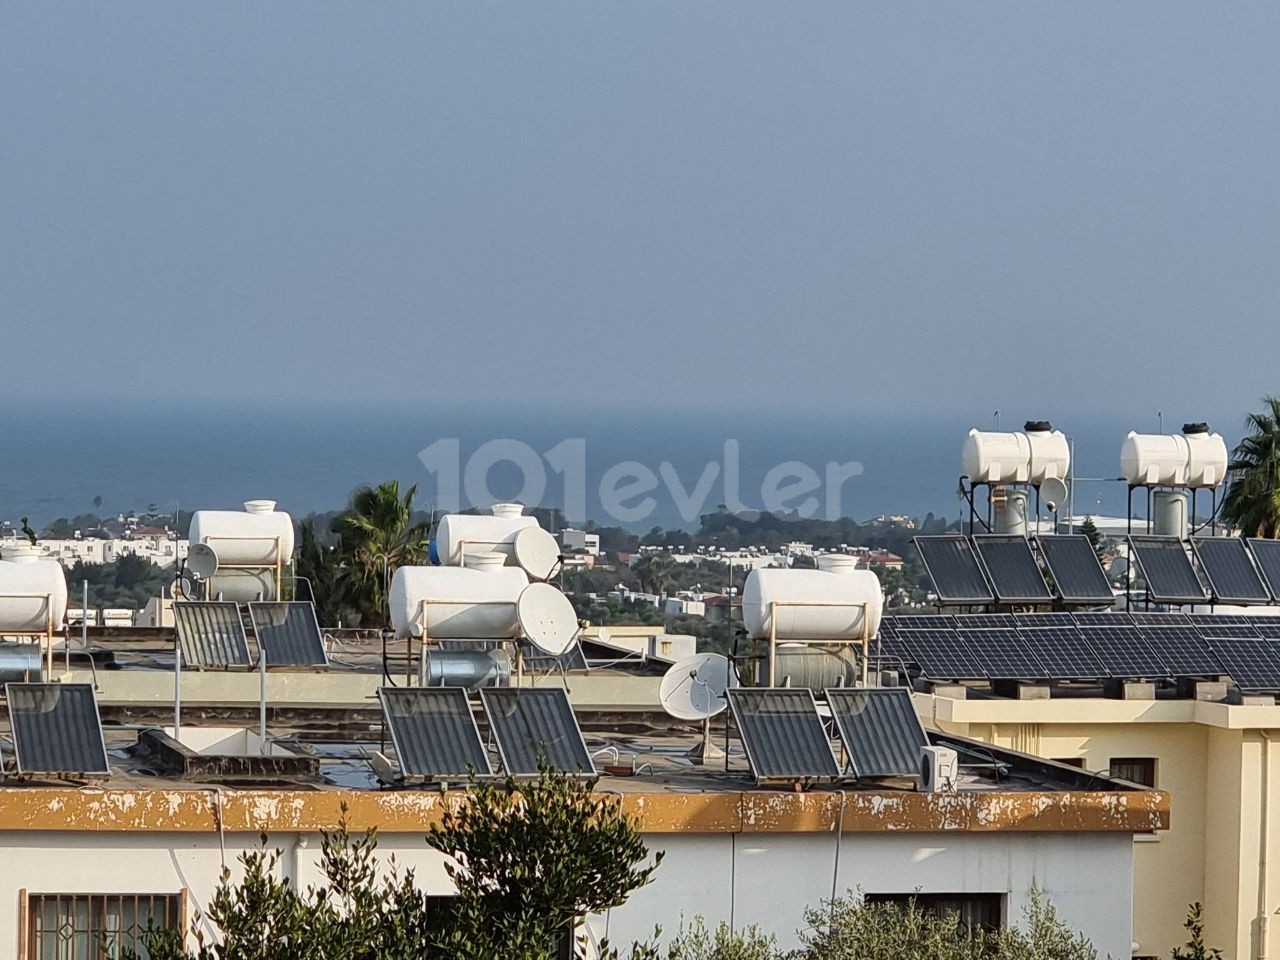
637, 468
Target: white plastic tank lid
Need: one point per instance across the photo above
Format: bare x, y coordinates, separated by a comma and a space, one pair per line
259, 506
508, 510
484, 560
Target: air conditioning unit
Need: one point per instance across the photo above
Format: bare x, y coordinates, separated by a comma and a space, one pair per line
939, 769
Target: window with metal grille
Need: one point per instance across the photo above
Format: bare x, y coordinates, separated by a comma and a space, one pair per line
78, 926
977, 911
1139, 770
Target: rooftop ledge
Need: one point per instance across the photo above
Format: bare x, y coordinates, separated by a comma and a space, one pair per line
727, 811
1082, 710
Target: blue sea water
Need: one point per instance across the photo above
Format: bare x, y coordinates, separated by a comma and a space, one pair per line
60, 455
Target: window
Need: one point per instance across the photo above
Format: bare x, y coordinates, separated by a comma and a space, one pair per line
1077, 762
976, 910
62, 926
1140, 770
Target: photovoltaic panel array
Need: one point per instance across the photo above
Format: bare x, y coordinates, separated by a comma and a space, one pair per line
56, 729
982, 621
1252, 663
1063, 652
1167, 570
211, 633
1123, 651
880, 730
1012, 569
1146, 619
1183, 650
1104, 619
434, 732
1002, 654
1230, 571
1224, 625
1074, 568
1044, 619
533, 727
1267, 555
941, 654
288, 634
782, 734
954, 570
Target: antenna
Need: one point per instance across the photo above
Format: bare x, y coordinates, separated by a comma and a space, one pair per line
547, 618
696, 688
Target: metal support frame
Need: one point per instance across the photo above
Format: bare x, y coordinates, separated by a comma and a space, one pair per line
420, 618
277, 567
46, 635
864, 640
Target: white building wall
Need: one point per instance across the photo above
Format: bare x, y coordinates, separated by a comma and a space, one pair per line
764, 879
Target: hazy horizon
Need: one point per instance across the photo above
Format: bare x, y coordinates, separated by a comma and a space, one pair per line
884, 210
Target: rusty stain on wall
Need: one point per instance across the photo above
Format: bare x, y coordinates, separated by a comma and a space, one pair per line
730, 811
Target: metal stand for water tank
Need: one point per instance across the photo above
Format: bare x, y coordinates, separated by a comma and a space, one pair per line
863, 640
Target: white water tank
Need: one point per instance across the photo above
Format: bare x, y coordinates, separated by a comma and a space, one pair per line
1195, 458
459, 533
33, 591
467, 603
823, 604
1036, 455
260, 535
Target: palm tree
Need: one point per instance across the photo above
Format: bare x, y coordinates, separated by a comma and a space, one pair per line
377, 534
1253, 501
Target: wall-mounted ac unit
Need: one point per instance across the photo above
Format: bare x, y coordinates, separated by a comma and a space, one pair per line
939, 769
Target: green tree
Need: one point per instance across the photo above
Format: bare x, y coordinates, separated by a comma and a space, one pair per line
1195, 948
1252, 503
1090, 530
318, 563
530, 859
377, 533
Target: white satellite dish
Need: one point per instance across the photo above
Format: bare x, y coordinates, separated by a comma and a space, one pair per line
547, 618
202, 560
1053, 492
536, 552
695, 687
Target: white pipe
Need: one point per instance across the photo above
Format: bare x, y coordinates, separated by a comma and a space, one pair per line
1264, 910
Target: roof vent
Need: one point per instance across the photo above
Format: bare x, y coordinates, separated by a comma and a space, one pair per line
1038, 426
1195, 428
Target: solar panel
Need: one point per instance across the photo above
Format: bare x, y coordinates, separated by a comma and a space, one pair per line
1232, 577
533, 727
1044, 619
941, 654
924, 621
211, 633
1267, 554
1167, 569
880, 730
1124, 652
954, 570
1074, 568
1003, 654
288, 634
782, 733
1182, 649
434, 732
1224, 625
984, 621
1252, 663
1110, 619
56, 729
1012, 569
1063, 653
1143, 619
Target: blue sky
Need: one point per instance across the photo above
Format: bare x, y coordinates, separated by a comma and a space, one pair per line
1062, 209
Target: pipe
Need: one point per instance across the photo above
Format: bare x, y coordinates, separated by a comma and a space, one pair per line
1264, 911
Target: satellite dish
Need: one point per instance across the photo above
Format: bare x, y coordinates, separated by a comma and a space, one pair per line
547, 618
202, 560
536, 552
694, 688
1053, 492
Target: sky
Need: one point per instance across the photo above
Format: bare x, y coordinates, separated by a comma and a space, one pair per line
723, 205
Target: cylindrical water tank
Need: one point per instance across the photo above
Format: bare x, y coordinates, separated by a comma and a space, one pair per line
21, 663
459, 533
260, 535
1010, 510
1170, 513
33, 591
465, 604
812, 604
242, 586
472, 669
802, 665
1196, 458
1031, 457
